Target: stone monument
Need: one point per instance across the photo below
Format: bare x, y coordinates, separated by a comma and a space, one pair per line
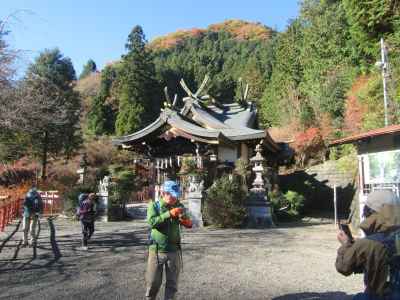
102, 206
195, 196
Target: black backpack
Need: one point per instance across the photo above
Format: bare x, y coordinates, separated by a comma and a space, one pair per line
36, 202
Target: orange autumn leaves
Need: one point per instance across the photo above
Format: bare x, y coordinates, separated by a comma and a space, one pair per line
241, 30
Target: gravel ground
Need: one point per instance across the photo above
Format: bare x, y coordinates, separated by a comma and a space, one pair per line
293, 261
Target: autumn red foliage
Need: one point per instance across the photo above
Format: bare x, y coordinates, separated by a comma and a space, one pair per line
243, 30
16, 191
173, 39
308, 144
17, 173
325, 126
355, 111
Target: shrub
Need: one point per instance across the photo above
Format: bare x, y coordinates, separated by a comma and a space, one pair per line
189, 167
242, 171
62, 175
286, 206
122, 185
17, 173
295, 202
224, 204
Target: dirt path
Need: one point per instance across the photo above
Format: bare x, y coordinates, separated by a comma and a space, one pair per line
293, 262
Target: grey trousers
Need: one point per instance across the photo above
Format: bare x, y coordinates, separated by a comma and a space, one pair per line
29, 225
154, 273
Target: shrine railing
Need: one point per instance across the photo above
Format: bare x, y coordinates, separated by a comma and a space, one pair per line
9, 210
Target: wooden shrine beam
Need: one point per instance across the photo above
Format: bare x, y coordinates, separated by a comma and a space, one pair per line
179, 132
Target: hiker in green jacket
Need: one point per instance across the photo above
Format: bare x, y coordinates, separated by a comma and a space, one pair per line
165, 217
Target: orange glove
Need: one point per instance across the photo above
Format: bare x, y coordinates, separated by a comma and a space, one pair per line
186, 222
175, 212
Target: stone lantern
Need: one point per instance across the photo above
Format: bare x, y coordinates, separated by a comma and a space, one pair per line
258, 169
258, 205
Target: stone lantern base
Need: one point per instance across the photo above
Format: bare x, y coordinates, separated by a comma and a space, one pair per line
259, 210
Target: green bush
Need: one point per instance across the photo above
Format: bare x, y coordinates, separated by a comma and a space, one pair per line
121, 187
277, 199
286, 206
295, 202
224, 205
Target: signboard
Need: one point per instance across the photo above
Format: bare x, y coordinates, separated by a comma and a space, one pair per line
382, 167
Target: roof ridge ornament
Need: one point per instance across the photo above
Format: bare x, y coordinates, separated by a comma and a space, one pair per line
198, 94
244, 92
196, 97
203, 84
169, 103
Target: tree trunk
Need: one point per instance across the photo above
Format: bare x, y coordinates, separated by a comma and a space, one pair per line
44, 156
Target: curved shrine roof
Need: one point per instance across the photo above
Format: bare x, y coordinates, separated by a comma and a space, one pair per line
224, 124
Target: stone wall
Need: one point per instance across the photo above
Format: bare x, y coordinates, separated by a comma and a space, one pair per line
316, 185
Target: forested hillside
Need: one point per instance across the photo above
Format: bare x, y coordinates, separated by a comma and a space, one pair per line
323, 72
226, 52
319, 73
313, 82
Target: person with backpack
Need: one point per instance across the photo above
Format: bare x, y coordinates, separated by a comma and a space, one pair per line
87, 214
33, 209
377, 255
165, 217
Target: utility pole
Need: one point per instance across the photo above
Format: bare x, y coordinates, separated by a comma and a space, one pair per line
384, 66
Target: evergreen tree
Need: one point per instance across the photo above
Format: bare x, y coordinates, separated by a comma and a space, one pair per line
221, 55
101, 116
137, 87
371, 20
88, 69
326, 57
52, 118
281, 99
313, 68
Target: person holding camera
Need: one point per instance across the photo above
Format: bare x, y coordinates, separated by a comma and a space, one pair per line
165, 217
377, 255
